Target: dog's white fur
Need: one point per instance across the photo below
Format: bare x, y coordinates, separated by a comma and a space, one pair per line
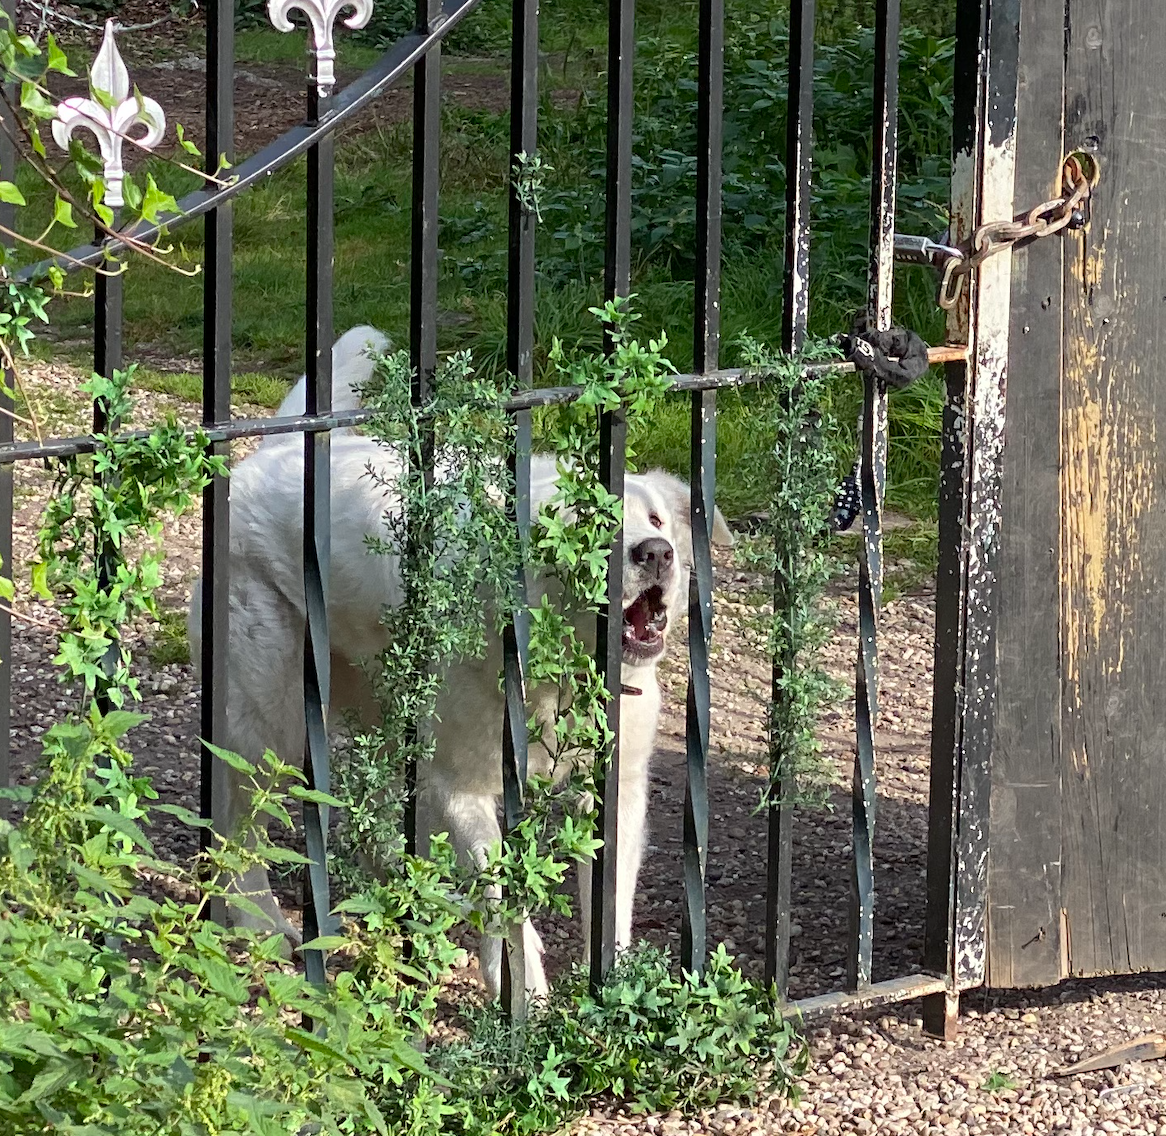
459, 789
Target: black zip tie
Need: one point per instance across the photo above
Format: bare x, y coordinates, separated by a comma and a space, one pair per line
871, 351
897, 356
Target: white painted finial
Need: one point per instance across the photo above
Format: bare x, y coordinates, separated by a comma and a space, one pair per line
321, 15
110, 114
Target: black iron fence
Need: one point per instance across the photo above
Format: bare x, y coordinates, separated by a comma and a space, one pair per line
958, 801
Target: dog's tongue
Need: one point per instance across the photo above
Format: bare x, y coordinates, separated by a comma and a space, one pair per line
637, 616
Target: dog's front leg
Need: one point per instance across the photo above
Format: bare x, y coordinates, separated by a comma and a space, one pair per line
472, 824
630, 841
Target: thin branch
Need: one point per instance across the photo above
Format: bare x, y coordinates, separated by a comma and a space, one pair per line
21, 419
10, 363
55, 252
26, 618
48, 12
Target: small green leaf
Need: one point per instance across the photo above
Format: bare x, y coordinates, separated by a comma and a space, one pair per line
185, 815
326, 943
57, 59
314, 796
10, 194
237, 763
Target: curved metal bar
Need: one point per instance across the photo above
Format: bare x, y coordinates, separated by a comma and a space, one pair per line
392, 66
873, 471
706, 340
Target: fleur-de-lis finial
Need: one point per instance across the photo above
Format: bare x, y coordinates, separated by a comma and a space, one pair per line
321, 15
110, 114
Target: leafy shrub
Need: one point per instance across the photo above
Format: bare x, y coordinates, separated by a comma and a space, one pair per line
123, 1010
664, 169
646, 1036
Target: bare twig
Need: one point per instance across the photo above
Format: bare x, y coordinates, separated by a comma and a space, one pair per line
10, 363
47, 11
24, 617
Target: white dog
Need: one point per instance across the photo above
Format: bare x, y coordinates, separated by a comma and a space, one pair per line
460, 788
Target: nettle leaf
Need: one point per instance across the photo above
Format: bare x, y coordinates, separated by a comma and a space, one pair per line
185, 815
314, 796
326, 943
237, 763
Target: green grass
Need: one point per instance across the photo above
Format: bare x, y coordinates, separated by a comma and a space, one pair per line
257, 388
266, 45
169, 644
998, 1082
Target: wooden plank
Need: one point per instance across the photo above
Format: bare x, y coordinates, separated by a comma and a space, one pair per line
1113, 573
1024, 923
887, 993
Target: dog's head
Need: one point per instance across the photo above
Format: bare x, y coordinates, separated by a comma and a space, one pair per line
657, 560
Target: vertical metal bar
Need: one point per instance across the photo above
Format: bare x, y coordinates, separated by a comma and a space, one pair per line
8, 219
216, 408
703, 456
872, 481
108, 299
798, 162
317, 526
613, 441
948, 701
984, 166
795, 315
108, 304
423, 271
519, 361
939, 1015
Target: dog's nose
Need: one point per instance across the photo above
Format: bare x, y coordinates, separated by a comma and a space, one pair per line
655, 554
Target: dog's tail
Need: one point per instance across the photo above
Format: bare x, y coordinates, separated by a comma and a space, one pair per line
351, 369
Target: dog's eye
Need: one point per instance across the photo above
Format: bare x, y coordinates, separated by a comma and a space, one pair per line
655, 521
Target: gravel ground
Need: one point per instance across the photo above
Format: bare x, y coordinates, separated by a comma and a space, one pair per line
874, 1072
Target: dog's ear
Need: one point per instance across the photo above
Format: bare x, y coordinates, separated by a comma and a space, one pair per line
679, 495
722, 534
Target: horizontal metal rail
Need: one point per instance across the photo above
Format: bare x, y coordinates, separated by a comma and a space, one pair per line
525, 400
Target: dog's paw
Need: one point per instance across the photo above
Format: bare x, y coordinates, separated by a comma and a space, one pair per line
536, 979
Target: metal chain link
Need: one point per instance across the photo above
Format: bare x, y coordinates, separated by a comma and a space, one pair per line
1044, 220
1049, 217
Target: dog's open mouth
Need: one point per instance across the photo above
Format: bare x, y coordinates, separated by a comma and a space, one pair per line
644, 622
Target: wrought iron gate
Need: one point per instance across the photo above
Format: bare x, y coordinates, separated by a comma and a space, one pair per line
973, 435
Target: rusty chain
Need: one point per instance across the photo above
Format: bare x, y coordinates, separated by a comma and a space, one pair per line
1047, 218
